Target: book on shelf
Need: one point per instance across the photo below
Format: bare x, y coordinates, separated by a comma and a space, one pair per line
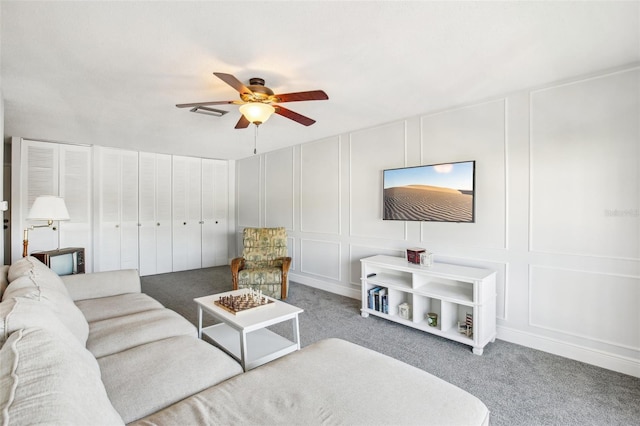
383, 301
371, 297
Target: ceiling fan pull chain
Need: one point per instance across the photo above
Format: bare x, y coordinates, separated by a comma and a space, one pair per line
255, 140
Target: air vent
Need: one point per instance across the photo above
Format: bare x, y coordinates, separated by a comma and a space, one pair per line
209, 111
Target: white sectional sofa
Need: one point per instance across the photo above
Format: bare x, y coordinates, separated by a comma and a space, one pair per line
92, 349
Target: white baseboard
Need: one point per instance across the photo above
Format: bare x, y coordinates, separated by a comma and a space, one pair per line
602, 359
584, 354
323, 285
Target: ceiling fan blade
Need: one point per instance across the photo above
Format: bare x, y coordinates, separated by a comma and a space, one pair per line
195, 104
312, 95
243, 123
294, 116
233, 82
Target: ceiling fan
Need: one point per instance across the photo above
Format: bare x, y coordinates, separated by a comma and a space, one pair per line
257, 102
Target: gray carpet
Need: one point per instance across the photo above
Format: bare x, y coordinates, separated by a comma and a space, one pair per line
521, 386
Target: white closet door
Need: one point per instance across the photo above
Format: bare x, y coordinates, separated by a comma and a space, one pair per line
37, 174
108, 198
116, 242
155, 213
179, 208
194, 214
187, 250
214, 212
164, 250
129, 208
147, 213
75, 188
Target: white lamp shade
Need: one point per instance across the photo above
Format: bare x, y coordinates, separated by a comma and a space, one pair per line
48, 207
257, 112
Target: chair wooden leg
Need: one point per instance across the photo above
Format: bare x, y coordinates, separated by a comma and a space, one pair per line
283, 290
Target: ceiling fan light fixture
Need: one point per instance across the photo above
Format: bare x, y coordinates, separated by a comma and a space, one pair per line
257, 112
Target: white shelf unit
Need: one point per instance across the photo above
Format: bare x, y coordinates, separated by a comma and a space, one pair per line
450, 291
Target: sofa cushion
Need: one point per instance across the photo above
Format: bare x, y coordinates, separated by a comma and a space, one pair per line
148, 378
4, 278
121, 333
52, 299
30, 278
20, 312
28, 266
329, 382
116, 306
44, 380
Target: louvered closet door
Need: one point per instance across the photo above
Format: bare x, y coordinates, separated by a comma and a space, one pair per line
214, 212
164, 250
155, 213
107, 239
147, 213
116, 242
38, 175
186, 206
75, 188
129, 208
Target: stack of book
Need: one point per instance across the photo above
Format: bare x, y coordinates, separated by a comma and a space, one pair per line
378, 299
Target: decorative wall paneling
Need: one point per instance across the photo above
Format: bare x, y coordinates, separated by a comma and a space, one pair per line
51, 169
320, 258
557, 201
596, 299
248, 201
585, 154
278, 189
320, 185
475, 133
372, 151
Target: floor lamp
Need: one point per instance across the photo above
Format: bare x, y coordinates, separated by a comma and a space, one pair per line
45, 207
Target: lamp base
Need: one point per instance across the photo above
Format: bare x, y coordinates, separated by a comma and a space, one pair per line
25, 244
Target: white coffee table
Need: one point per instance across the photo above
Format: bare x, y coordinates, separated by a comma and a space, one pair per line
244, 335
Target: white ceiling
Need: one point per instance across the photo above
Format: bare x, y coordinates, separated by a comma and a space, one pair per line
110, 73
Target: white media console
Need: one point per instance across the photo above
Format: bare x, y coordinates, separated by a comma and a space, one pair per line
462, 298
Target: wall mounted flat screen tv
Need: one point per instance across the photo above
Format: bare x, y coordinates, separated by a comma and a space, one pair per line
430, 193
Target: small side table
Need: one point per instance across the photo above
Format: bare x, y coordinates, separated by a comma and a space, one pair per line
244, 335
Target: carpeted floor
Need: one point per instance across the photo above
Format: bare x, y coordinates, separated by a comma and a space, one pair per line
521, 386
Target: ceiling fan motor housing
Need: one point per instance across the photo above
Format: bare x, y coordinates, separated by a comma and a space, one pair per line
261, 93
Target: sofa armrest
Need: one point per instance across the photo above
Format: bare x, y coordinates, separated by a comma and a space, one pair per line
102, 284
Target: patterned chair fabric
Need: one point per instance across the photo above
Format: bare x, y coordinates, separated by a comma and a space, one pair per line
264, 264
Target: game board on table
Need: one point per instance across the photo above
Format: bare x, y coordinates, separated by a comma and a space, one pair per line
242, 303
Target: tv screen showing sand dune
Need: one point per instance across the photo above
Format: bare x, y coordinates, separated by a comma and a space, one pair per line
433, 193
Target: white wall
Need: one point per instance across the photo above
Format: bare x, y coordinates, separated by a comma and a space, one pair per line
557, 209
3, 214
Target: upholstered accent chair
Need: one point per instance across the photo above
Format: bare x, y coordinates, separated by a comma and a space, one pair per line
264, 264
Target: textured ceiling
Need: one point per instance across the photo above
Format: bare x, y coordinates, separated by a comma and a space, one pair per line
110, 73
